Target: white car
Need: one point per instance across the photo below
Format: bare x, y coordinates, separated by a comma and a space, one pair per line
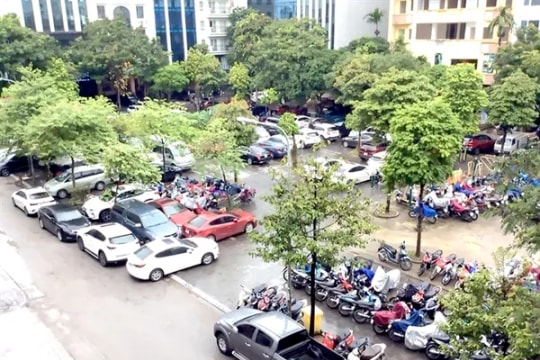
107, 242
305, 138
376, 162
165, 256
30, 200
96, 208
327, 132
302, 121
354, 173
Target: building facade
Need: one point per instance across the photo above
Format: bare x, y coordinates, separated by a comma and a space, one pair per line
456, 31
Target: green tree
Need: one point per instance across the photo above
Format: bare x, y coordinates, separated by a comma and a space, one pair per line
426, 139
308, 217
204, 73
76, 128
283, 67
270, 97
111, 50
510, 57
290, 126
512, 103
437, 76
244, 135
240, 80
23, 47
170, 78
234, 18
464, 92
375, 17
369, 45
504, 22
126, 163
489, 302
246, 35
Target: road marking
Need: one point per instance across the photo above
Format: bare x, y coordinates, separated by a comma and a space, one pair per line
201, 294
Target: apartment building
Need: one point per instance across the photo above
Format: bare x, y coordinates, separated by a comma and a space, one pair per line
456, 31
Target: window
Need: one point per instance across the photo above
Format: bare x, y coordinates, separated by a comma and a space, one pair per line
140, 12
97, 235
508, 4
402, 7
526, 2
491, 3
131, 217
524, 24
259, 2
164, 253
263, 339
118, 209
201, 5
487, 34
268, 2
28, 11
153, 218
179, 250
246, 330
21, 194
198, 222
452, 4
228, 219
68, 4
218, 221
143, 252
423, 31
101, 12
534, 22
202, 25
58, 17
124, 239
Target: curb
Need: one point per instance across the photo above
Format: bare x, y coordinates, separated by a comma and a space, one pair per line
18, 180
200, 294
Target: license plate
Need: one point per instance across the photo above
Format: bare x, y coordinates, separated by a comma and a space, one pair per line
366, 154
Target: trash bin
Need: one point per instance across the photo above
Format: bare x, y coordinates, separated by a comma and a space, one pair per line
306, 318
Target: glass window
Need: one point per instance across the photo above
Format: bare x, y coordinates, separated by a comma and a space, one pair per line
40, 195
68, 215
83, 13
153, 218
133, 218
69, 14
28, 12
263, 339
179, 250
202, 24
143, 252
526, 2
58, 18
140, 12
534, 22
163, 254
173, 209
198, 222
524, 24
119, 240
44, 15
246, 330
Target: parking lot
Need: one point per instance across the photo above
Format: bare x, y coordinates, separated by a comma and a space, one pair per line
102, 313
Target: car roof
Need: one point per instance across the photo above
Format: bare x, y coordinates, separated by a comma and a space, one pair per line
112, 229
136, 204
258, 148
323, 124
276, 323
58, 208
34, 190
162, 244
86, 167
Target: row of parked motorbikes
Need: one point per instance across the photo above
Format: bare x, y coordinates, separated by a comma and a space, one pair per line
208, 194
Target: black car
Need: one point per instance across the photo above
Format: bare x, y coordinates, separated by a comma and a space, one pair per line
278, 150
12, 163
272, 130
255, 154
62, 220
351, 141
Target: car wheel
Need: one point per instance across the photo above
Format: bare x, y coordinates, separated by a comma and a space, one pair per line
41, 225
345, 144
105, 215
80, 243
249, 228
103, 259
156, 275
26, 211
207, 259
60, 235
223, 344
100, 186
211, 237
250, 161
4, 172
476, 151
62, 194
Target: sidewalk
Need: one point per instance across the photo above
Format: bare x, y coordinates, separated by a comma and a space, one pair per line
24, 336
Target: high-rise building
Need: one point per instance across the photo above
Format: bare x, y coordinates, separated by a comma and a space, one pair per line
456, 31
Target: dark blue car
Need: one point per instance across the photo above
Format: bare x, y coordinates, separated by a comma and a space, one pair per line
278, 150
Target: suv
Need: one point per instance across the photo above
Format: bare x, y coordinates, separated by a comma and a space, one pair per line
176, 154
11, 163
86, 177
479, 143
146, 222
327, 132
377, 144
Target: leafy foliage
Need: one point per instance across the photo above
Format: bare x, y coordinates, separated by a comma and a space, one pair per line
240, 80
369, 45
126, 163
464, 92
170, 78
234, 18
503, 22
244, 135
23, 47
247, 32
308, 217
270, 97
290, 126
204, 73
511, 57
375, 17
426, 139
492, 302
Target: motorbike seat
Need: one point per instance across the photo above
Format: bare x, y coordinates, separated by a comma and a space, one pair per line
431, 291
451, 257
371, 352
259, 288
360, 343
296, 308
444, 338
390, 249
460, 261
436, 254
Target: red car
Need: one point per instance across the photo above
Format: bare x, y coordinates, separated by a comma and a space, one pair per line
479, 143
375, 145
219, 226
174, 210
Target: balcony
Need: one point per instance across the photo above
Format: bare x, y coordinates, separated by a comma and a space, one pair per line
219, 13
218, 49
220, 31
402, 19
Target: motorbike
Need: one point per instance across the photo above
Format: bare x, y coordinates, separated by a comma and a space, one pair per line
373, 352
339, 343
427, 212
300, 275
332, 281
437, 202
266, 299
398, 328
428, 260
466, 271
349, 304
441, 264
451, 271
416, 294
406, 197
383, 282
512, 268
382, 318
391, 254
322, 290
250, 298
296, 310
466, 214
434, 344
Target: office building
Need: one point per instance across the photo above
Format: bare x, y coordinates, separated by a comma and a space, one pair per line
456, 31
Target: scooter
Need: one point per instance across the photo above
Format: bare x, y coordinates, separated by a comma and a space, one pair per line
383, 318
338, 343
428, 213
391, 254
322, 291
373, 352
296, 310
429, 260
451, 270
434, 347
441, 265
349, 304
398, 328
250, 298
417, 337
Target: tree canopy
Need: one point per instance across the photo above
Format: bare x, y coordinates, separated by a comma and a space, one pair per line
240, 80
126, 163
170, 78
244, 135
247, 29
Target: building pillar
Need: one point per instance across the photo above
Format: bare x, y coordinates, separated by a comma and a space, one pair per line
184, 32
51, 19
310, 9
330, 22
167, 29
316, 14
323, 15
37, 16
77, 16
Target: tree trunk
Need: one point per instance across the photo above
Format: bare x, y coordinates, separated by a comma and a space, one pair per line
294, 153
289, 288
229, 203
72, 172
118, 103
132, 86
235, 176
117, 186
169, 96
505, 132
99, 87
32, 170
388, 201
419, 222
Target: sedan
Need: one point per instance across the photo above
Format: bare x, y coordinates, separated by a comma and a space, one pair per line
62, 220
219, 226
353, 173
277, 150
254, 155
351, 141
479, 143
168, 206
30, 200
166, 256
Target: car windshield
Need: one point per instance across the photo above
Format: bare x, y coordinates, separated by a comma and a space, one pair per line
153, 218
507, 142
40, 195
124, 239
172, 209
68, 215
257, 150
143, 252
188, 243
198, 222
179, 150
66, 175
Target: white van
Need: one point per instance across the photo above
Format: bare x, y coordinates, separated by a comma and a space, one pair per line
513, 142
177, 154
86, 177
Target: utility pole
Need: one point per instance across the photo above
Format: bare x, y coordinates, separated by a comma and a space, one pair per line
312, 280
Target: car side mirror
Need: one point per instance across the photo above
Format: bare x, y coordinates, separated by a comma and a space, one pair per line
190, 251
235, 220
138, 225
